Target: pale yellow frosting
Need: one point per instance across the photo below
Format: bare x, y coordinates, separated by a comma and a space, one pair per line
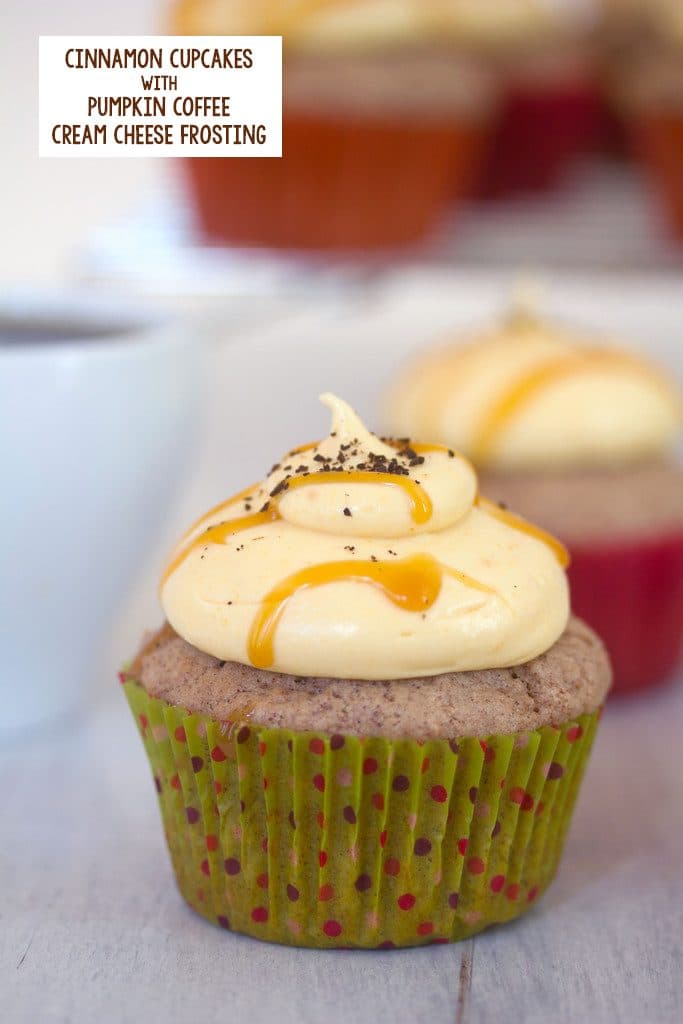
410, 575
314, 23
526, 394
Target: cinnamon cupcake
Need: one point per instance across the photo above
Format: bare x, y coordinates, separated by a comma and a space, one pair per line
381, 114
369, 712
578, 436
647, 86
545, 61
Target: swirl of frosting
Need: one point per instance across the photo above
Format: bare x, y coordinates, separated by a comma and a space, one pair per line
527, 395
358, 558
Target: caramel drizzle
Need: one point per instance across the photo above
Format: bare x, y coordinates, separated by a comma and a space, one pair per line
506, 406
412, 583
421, 508
517, 523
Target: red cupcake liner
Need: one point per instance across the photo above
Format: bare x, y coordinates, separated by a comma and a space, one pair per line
351, 183
542, 130
659, 145
631, 593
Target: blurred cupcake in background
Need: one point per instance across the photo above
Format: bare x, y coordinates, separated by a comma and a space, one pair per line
576, 436
646, 78
382, 114
544, 58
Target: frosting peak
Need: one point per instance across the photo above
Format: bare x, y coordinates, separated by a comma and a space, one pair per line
361, 557
355, 484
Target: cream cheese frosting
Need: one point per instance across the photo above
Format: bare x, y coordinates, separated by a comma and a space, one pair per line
361, 559
315, 23
528, 395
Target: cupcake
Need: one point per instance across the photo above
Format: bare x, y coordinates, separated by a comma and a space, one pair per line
647, 84
543, 55
369, 711
578, 436
381, 115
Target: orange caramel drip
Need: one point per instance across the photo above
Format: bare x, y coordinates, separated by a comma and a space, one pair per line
521, 391
517, 523
217, 534
420, 503
410, 583
421, 508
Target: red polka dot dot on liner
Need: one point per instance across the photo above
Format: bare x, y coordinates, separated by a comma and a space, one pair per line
406, 901
206, 870
512, 891
383, 838
217, 755
476, 866
259, 914
262, 880
179, 734
378, 801
392, 866
212, 842
319, 783
325, 893
144, 722
462, 847
369, 766
262, 748
332, 929
425, 928
527, 803
175, 782
322, 858
517, 794
574, 733
497, 883
316, 746
533, 893
425, 765
439, 794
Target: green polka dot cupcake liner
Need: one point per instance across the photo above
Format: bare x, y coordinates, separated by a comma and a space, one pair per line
329, 840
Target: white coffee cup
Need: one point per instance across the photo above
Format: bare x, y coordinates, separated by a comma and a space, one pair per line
98, 411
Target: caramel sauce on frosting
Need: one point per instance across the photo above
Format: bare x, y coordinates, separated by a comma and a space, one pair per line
529, 395
362, 558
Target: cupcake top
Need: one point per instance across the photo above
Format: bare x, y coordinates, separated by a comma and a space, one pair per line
515, 22
360, 558
315, 23
342, 23
527, 394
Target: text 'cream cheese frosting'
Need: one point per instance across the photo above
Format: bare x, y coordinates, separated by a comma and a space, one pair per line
358, 558
529, 395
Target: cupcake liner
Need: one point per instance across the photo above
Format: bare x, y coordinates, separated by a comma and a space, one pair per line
343, 183
659, 144
327, 840
525, 156
631, 593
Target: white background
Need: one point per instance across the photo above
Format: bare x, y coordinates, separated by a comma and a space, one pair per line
255, 94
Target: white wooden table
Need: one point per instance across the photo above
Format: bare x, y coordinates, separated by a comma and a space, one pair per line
92, 929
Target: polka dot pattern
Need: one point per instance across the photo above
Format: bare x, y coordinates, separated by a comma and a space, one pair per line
405, 843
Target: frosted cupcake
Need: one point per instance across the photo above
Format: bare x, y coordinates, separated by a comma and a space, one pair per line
647, 86
543, 54
382, 114
579, 437
369, 712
